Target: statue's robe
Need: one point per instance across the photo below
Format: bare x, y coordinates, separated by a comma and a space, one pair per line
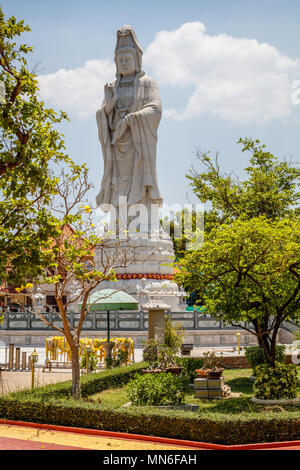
130, 164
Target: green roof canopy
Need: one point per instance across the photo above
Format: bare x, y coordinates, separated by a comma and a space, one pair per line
191, 308
112, 299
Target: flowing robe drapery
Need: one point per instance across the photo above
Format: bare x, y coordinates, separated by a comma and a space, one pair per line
135, 152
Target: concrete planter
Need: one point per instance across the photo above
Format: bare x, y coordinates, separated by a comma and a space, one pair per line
283, 401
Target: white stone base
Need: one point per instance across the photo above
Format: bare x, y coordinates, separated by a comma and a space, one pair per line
147, 272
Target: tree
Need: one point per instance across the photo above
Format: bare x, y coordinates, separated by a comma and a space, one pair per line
270, 187
249, 267
183, 228
29, 144
249, 271
68, 260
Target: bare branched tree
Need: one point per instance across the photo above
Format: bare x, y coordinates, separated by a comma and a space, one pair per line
69, 260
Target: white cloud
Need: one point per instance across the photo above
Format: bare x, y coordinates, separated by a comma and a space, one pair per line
78, 90
234, 78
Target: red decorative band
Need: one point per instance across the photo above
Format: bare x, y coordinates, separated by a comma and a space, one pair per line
169, 277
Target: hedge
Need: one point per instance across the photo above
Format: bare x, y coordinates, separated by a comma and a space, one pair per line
189, 364
161, 423
90, 384
255, 355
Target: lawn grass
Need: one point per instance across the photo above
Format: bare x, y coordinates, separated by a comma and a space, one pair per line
239, 382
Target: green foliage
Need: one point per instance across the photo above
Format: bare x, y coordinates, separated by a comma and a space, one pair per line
89, 359
248, 271
189, 365
249, 267
120, 359
121, 356
210, 361
275, 383
270, 187
162, 355
150, 352
90, 384
182, 229
154, 422
255, 355
29, 143
173, 335
157, 389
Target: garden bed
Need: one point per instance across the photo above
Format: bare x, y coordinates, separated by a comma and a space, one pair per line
232, 421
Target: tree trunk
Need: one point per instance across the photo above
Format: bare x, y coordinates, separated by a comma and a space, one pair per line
75, 373
261, 332
267, 351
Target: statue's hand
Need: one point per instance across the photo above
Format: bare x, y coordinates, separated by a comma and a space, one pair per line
110, 97
120, 130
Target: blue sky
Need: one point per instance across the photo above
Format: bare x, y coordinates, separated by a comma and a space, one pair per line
225, 70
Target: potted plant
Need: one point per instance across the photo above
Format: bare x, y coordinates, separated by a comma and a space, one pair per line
210, 369
166, 359
150, 355
161, 356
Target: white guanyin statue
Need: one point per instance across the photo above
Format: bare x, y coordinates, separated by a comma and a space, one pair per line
127, 123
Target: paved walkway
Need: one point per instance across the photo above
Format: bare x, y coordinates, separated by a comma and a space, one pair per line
12, 381
8, 443
43, 437
13, 437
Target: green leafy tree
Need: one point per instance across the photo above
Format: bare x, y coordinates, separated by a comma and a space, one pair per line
248, 269
270, 187
183, 228
29, 144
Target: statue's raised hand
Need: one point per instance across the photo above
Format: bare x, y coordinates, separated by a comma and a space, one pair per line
110, 97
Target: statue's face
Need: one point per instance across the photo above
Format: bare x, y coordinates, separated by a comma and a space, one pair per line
126, 63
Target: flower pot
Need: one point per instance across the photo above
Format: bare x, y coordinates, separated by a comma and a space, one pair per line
215, 374
202, 373
174, 370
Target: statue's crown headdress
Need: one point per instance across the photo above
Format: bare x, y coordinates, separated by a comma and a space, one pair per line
127, 40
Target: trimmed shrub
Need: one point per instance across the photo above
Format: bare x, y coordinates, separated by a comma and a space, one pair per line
275, 383
175, 424
90, 384
157, 389
255, 355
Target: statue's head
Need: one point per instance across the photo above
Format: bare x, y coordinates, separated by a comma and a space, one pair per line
128, 54
126, 62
